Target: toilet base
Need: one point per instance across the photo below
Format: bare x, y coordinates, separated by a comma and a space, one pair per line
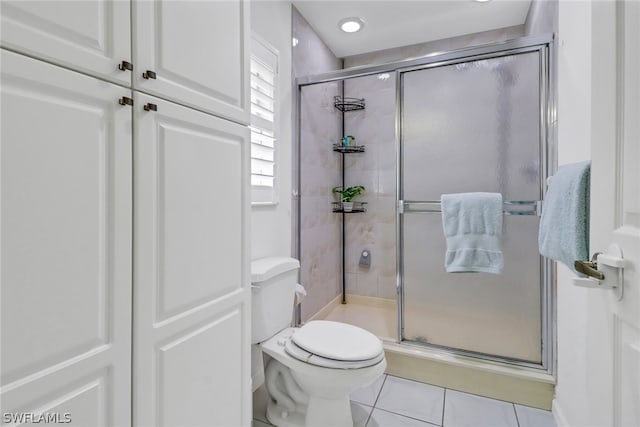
319, 413
278, 416
302, 394
324, 412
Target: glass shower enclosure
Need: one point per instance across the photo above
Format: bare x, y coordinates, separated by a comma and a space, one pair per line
476, 119
467, 126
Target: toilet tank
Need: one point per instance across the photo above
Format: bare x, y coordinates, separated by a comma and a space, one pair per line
273, 285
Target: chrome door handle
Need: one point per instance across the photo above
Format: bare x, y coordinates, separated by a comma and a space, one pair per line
604, 271
590, 268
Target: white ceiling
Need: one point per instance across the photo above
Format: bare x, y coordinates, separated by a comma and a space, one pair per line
394, 23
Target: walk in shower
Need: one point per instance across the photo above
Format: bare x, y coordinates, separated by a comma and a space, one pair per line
471, 120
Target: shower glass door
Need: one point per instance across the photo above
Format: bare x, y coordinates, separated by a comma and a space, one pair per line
473, 125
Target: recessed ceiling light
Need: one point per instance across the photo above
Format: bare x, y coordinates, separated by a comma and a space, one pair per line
351, 25
482, 1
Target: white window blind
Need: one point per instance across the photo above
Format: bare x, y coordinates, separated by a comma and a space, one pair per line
264, 70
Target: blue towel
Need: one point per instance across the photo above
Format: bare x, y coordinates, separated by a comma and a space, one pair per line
564, 225
472, 224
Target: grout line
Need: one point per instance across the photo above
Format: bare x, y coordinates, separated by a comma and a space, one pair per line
406, 416
516, 412
444, 402
366, 423
380, 391
376, 401
490, 398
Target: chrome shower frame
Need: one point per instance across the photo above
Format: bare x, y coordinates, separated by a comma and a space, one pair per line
542, 44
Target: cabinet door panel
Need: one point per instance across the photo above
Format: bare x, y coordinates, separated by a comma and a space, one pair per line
202, 64
88, 36
191, 347
66, 243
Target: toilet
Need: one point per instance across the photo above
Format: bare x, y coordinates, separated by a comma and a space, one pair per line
310, 371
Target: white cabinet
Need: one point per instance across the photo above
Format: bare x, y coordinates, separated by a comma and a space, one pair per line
191, 299
194, 53
87, 206
66, 174
90, 36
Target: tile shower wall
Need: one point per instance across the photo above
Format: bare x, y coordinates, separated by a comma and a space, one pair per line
374, 230
310, 54
320, 240
320, 243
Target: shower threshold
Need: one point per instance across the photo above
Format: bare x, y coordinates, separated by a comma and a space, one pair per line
523, 385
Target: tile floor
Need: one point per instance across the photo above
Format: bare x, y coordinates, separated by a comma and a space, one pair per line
397, 402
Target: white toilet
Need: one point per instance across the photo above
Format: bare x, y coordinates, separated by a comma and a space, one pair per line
312, 369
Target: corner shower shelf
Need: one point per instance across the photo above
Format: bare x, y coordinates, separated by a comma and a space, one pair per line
348, 104
357, 207
348, 149
345, 104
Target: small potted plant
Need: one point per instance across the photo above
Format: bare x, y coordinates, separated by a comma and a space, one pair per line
347, 195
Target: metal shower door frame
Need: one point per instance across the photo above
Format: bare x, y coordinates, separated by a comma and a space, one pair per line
547, 165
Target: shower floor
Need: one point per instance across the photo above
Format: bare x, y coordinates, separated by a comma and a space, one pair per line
379, 316
376, 315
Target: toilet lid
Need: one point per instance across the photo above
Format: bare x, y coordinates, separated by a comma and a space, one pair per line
313, 359
337, 341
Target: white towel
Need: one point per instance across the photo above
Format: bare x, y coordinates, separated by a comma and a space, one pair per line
564, 225
472, 225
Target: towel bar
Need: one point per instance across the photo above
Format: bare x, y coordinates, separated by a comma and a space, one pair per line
514, 207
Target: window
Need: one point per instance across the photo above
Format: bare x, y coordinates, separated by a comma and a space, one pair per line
264, 119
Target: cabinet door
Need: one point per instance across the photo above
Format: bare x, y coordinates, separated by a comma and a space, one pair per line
66, 245
198, 52
89, 36
191, 288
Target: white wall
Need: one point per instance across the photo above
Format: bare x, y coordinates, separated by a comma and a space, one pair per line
542, 17
271, 225
574, 144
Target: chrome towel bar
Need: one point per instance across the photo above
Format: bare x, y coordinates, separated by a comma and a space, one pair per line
513, 207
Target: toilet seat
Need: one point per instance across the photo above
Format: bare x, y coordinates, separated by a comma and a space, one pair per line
313, 359
335, 345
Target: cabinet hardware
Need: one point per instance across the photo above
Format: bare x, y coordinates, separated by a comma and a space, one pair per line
150, 107
149, 74
125, 101
124, 65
